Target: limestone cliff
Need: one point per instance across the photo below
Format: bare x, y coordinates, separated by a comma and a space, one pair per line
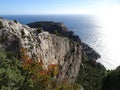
58, 27
49, 48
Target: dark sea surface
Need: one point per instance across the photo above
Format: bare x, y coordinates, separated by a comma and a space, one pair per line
92, 30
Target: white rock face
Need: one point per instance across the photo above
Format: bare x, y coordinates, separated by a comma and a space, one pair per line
49, 48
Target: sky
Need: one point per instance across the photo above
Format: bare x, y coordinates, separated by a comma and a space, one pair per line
18, 7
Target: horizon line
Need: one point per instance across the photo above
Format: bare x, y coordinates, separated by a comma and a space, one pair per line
47, 14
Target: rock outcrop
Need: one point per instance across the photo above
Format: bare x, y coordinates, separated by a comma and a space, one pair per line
55, 28
60, 28
49, 48
66, 51
49, 26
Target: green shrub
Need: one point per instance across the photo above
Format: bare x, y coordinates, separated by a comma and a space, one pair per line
39, 30
56, 33
90, 77
23, 33
10, 75
112, 80
15, 21
1, 26
2, 38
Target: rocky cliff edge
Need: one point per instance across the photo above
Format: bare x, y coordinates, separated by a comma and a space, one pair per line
45, 46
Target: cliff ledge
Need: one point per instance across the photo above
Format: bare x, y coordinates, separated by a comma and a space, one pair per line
65, 50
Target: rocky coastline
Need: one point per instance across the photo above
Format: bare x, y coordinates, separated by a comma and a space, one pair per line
53, 44
53, 27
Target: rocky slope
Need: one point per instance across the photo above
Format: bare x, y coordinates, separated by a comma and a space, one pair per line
61, 30
65, 51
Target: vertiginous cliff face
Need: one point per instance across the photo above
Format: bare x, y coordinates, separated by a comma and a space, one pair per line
49, 48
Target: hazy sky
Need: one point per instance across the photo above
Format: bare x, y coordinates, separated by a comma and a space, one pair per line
58, 6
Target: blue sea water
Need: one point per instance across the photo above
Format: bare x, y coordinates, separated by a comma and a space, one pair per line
88, 27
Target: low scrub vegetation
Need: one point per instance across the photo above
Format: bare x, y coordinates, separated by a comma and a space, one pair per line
90, 76
15, 21
112, 80
39, 30
1, 26
56, 33
26, 74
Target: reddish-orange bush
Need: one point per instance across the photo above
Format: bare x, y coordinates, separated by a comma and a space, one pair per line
43, 79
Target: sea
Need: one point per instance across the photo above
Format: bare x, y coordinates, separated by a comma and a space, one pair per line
100, 33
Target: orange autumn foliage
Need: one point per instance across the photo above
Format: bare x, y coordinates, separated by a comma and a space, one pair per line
43, 79
40, 63
36, 68
27, 62
43, 72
